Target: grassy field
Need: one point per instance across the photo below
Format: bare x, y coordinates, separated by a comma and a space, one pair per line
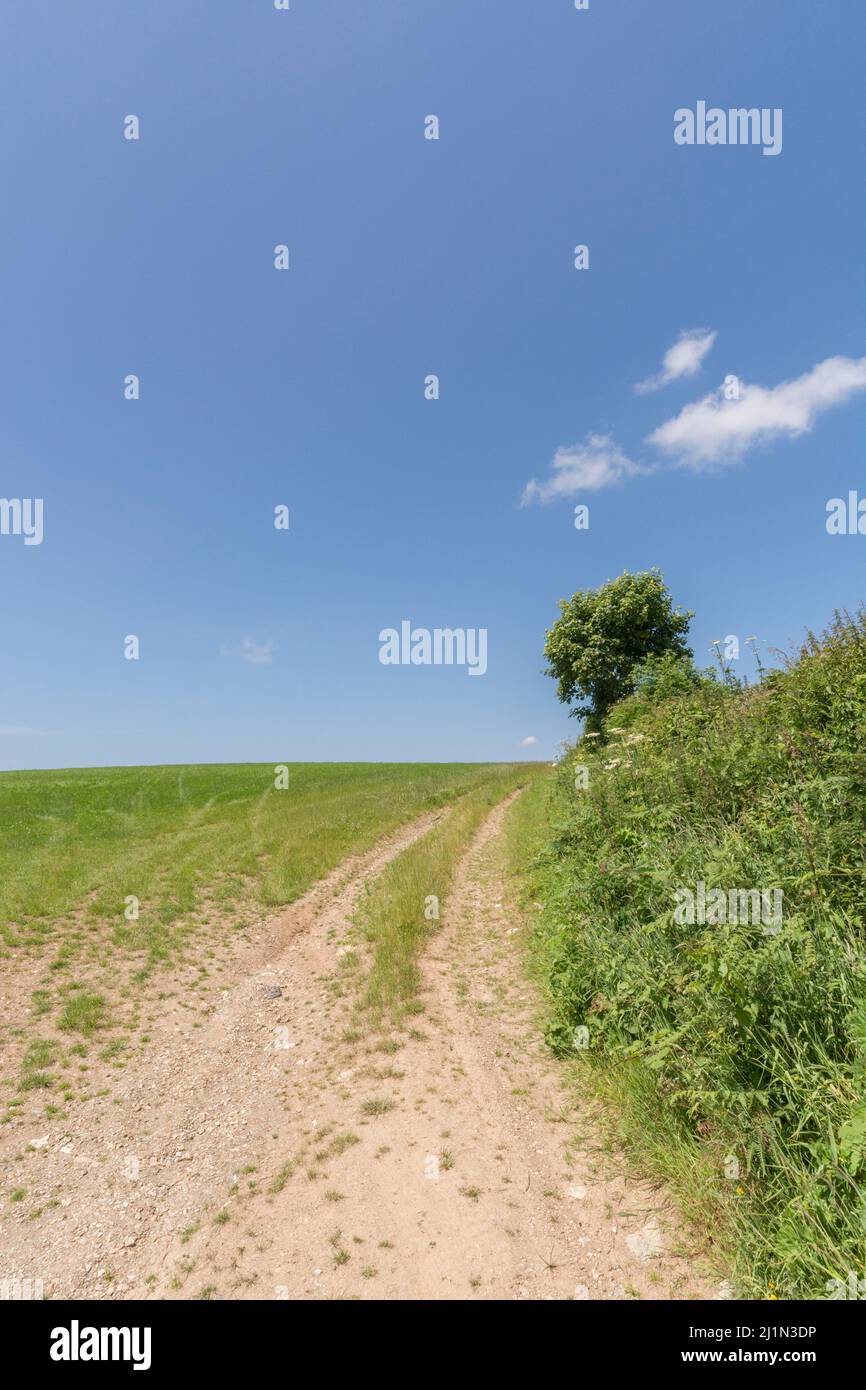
205, 852
84, 840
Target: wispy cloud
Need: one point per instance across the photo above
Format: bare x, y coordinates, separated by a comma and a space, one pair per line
596, 463
682, 360
254, 653
528, 742
716, 430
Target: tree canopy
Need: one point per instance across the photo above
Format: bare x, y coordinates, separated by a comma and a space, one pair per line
605, 636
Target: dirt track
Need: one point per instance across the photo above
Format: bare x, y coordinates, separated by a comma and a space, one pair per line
270, 1150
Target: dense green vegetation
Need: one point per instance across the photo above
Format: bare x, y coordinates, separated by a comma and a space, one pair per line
736, 1049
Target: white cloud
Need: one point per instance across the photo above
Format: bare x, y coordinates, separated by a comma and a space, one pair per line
597, 463
716, 430
683, 359
528, 742
254, 653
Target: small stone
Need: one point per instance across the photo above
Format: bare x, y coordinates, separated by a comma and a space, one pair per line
647, 1243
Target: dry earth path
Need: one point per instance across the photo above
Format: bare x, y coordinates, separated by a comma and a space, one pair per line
280, 1148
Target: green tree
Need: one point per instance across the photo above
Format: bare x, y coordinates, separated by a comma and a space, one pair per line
664, 677
604, 635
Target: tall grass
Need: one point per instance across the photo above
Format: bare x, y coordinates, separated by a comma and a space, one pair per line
743, 1047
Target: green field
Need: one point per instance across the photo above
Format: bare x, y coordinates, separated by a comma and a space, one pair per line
74, 845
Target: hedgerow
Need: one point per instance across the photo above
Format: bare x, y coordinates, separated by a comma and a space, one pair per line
753, 1037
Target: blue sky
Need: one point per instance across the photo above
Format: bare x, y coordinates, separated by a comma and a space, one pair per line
408, 257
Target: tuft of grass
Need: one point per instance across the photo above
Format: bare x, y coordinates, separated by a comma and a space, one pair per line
341, 1142
377, 1105
83, 1012
39, 1054
281, 1177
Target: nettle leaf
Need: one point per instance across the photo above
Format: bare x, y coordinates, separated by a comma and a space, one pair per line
852, 1141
